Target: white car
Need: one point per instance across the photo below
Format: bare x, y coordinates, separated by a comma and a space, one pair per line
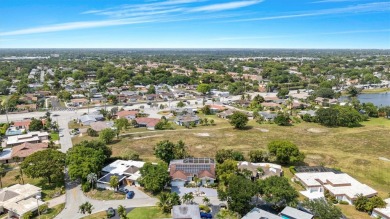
61, 135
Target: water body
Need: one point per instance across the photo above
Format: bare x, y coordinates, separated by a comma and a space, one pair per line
378, 99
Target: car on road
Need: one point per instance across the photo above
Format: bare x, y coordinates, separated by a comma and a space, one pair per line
110, 212
61, 135
54, 115
130, 195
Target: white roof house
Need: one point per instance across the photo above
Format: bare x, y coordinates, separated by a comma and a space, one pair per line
185, 212
29, 137
382, 212
341, 185
19, 199
126, 170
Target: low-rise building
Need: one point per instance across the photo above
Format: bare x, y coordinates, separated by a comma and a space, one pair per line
19, 199
261, 170
90, 118
32, 137
100, 125
340, 185
26, 149
383, 213
127, 114
257, 213
149, 123
185, 170
293, 213
187, 119
127, 171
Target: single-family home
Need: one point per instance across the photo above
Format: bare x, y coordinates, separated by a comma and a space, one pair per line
127, 171
32, 137
185, 212
26, 149
90, 118
100, 125
19, 199
25, 124
383, 213
261, 170
226, 114
216, 108
184, 170
78, 102
132, 114
149, 123
340, 185
12, 130
187, 119
293, 213
29, 107
257, 213
268, 116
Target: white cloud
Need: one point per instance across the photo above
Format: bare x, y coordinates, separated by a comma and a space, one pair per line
360, 8
225, 6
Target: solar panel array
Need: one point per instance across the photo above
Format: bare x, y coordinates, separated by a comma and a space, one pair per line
198, 160
193, 168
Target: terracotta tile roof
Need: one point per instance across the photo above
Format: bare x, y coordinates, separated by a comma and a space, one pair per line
26, 149
26, 123
207, 174
149, 122
125, 113
179, 175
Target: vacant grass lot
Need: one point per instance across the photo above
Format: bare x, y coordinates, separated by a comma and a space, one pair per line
147, 213
100, 194
355, 150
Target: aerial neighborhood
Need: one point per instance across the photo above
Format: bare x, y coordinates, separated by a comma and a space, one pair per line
195, 134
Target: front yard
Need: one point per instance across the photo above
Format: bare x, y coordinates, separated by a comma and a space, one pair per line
102, 194
147, 213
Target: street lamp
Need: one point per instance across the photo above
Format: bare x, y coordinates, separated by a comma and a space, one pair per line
38, 197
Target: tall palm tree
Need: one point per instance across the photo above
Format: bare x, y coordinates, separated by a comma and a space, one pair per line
92, 179
2, 174
206, 200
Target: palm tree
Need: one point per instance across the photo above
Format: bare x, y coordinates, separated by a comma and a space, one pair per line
164, 202
122, 212
206, 200
92, 178
2, 174
188, 198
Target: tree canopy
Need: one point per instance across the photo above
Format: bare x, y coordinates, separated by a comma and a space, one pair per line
285, 152
277, 191
154, 177
238, 120
167, 151
107, 135
35, 125
48, 164
322, 209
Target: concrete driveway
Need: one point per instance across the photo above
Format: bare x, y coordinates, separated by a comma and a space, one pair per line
138, 194
183, 190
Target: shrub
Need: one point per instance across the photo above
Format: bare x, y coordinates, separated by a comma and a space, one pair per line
86, 187
43, 208
292, 169
204, 208
343, 202
91, 132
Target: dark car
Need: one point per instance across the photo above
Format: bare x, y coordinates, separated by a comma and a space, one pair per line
110, 212
130, 195
123, 190
205, 215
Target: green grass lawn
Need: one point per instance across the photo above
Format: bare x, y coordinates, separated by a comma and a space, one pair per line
54, 136
376, 90
147, 213
51, 212
355, 150
101, 194
99, 215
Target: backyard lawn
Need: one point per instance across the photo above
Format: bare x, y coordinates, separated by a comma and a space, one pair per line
147, 213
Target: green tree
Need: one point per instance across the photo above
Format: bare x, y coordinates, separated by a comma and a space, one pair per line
167, 201
239, 193
226, 170
3, 172
82, 160
180, 104
167, 151
188, 198
206, 110
238, 120
285, 152
277, 191
121, 123
154, 177
86, 208
151, 90
121, 212
114, 182
375, 202
203, 88
322, 209
282, 93
107, 135
35, 125
48, 164
361, 202
371, 109
256, 156
27, 215
325, 93
282, 119
92, 179
97, 145
353, 91
327, 116
226, 154
91, 132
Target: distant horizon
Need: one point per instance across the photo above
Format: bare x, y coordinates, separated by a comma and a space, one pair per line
192, 24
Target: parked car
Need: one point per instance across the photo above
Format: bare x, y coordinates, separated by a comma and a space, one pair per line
205, 215
123, 190
130, 195
110, 212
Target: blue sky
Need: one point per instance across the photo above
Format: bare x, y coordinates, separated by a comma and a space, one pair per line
195, 24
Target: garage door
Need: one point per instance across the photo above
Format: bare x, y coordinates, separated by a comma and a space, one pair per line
177, 183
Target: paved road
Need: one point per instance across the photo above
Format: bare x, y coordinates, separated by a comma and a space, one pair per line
75, 197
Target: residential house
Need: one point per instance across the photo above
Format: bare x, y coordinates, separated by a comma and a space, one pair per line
25, 124
100, 125
271, 105
90, 118
293, 213
29, 107
268, 116
149, 123
32, 137
216, 108
78, 102
127, 114
261, 170
127, 171
383, 213
185, 212
12, 130
310, 112
26, 149
18, 199
226, 114
257, 213
185, 120
184, 171
340, 185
